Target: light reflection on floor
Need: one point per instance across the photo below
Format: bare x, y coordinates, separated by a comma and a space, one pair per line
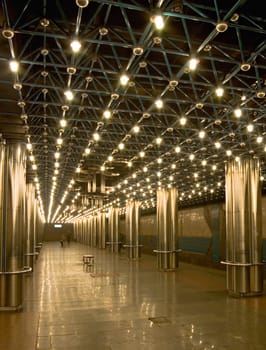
123, 304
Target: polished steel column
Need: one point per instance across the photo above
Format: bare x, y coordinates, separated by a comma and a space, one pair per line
13, 180
101, 229
167, 252
94, 230
30, 252
132, 229
113, 221
244, 228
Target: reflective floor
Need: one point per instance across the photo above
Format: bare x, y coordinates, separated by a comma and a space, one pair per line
122, 305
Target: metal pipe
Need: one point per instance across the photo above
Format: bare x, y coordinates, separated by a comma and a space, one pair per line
244, 228
30, 241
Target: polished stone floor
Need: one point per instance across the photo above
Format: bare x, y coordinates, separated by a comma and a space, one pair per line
122, 305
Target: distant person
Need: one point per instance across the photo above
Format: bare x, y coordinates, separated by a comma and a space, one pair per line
68, 239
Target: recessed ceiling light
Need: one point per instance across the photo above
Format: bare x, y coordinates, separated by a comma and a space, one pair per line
219, 91
124, 79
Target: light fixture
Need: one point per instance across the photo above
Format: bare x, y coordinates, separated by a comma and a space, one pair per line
87, 150
219, 91
29, 146
202, 134
145, 169
14, 65
75, 45
245, 67
228, 152
250, 127
121, 146
217, 145
129, 164
158, 21
204, 162
158, 140
107, 114
192, 63
136, 129
183, 121
57, 155
259, 139
237, 112
102, 168
124, 79
177, 149
110, 158
63, 123
191, 156
69, 95
159, 160
159, 103
221, 27
142, 154
96, 136
59, 141
82, 3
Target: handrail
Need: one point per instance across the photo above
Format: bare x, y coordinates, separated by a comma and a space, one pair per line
26, 270
168, 251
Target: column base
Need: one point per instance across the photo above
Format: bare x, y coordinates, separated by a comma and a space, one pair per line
133, 251
167, 260
244, 279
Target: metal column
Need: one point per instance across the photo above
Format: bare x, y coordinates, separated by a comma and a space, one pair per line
13, 182
101, 229
132, 229
244, 228
167, 252
30, 253
113, 242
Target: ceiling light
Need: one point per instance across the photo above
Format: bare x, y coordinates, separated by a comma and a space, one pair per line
228, 152
107, 114
145, 169
159, 160
142, 154
110, 158
69, 95
59, 141
57, 155
221, 27
158, 140
260, 94
14, 65
204, 162
192, 63
129, 164
102, 168
259, 139
103, 31
124, 79
87, 150
34, 167
136, 128
202, 134
159, 173
177, 149
138, 51
238, 112
63, 123
29, 146
82, 3
245, 67
183, 120
191, 156
217, 145
121, 146
219, 91
32, 158
250, 127
214, 167
75, 45
56, 164
158, 21
96, 136
159, 103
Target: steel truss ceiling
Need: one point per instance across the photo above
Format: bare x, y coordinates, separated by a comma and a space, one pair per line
186, 143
